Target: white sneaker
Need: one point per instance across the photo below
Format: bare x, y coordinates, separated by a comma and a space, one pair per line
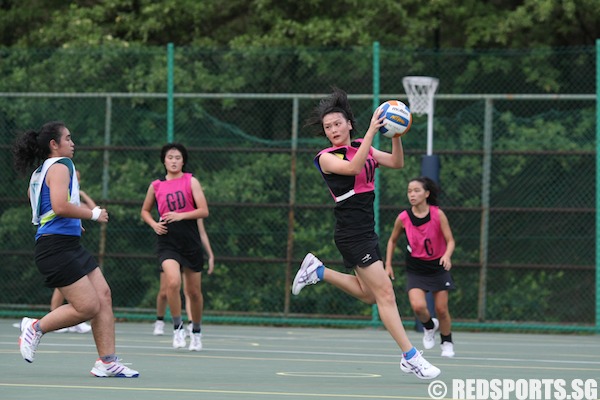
113, 370
447, 349
83, 327
429, 334
29, 339
195, 342
307, 274
179, 338
189, 329
419, 366
159, 328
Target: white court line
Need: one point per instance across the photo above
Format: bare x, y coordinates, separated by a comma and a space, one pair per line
210, 351
237, 392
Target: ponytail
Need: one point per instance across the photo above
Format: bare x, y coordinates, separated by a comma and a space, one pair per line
31, 148
337, 102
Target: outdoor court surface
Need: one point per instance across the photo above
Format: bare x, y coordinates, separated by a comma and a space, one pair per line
250, 362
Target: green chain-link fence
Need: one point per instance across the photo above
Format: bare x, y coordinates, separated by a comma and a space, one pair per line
518, 175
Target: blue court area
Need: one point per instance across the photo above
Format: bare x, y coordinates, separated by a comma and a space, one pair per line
251, 362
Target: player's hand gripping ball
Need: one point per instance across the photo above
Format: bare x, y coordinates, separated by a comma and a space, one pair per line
398, 119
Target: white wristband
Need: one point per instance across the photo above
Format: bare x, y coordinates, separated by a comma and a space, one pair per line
96, 213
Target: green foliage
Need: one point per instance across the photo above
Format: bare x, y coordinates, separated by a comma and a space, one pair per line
109, 30
269, 23
527, 296
527, 23
12, 234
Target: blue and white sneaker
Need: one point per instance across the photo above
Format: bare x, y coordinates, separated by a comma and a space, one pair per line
419, 366
307, 274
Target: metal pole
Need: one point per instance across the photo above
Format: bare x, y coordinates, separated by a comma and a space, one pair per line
376, 139
106, 155
291, 205
430, 129
170, 89
430, 167
485, 208
105, 176
598, 186
376, 89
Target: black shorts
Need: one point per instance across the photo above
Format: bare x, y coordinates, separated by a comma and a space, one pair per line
360, 251
62, 260
431, 282
193, 260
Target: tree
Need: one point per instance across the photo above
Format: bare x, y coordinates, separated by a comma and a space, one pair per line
285, 23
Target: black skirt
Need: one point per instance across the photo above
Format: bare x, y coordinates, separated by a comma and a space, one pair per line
430, 282
62, 260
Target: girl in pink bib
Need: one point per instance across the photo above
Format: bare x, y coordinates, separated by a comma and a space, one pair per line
181, 203
429, 249
348, 169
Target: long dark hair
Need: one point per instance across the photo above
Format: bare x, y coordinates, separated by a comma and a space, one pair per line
430, 186
336, 102
176, 146
31, 148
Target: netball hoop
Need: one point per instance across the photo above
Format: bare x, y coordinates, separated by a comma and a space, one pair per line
420, 91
